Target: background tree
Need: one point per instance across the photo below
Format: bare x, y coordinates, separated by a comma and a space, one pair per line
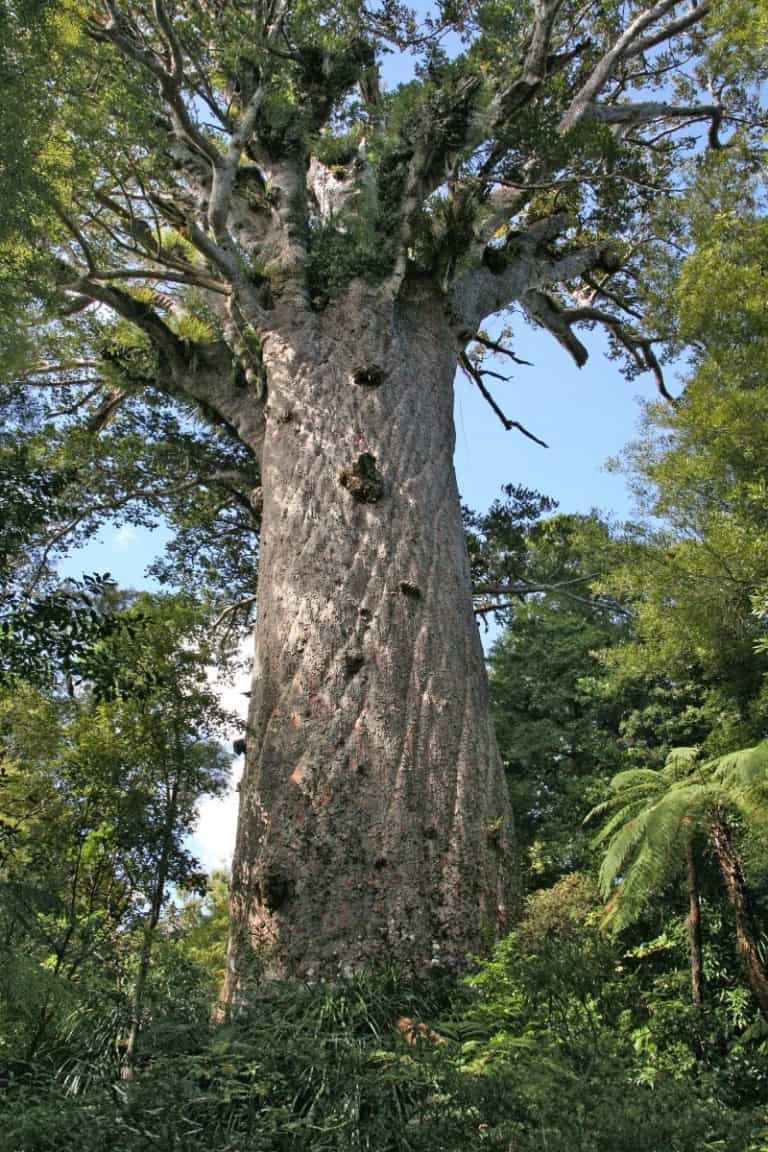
48, 627
558, 728
696, 567
98, 798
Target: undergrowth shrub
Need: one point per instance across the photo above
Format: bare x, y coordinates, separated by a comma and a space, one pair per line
534, 1053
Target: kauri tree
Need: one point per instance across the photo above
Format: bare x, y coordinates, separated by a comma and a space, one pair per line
221, 206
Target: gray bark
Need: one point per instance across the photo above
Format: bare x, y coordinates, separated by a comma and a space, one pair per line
374, 819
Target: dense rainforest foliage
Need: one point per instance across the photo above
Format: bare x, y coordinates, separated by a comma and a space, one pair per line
627, 1008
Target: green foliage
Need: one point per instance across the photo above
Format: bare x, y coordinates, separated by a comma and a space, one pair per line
337, 258
98, 796
541, 1047
693, 576
558, 736
558, 730
47, 628
196, 929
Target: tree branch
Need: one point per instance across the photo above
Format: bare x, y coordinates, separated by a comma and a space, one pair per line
694, 15
118, 32
609, 62
476, 376
139, 314
633, 115
559, 321
507, 273
546, 312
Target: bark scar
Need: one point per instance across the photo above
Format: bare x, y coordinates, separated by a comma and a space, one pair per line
363, 480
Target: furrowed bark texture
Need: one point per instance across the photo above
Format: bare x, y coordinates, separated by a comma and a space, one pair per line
374, 820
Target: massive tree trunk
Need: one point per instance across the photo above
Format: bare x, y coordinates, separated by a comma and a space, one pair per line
374, 820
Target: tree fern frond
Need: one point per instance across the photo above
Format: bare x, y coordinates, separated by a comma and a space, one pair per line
617, 821
680, 761
619, 852
635, 777
745, 769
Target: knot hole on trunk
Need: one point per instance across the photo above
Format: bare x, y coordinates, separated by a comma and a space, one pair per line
363, 480
369, 375
275, 888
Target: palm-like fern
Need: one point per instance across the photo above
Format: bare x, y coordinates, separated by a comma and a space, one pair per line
652, 815
652, 819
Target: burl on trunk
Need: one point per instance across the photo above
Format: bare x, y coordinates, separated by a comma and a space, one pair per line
374, 820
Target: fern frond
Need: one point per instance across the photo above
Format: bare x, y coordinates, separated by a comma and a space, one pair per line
635, 778
680, 761
619, 852
646, 835
745, 769
617, 821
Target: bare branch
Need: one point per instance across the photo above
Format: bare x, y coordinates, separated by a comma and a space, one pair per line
523, 264
101, 418
633, 115
559, 321
118, 32
537, 65
159, 275
233, 609
166, 27
546, 312
500, 349
476, 376
502, 594
694, 15
76, 233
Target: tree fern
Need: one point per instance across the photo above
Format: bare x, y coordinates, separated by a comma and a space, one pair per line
652, 820
742, 778
643, 833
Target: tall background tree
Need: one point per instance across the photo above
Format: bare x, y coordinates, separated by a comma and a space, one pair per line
225, 211
98, 795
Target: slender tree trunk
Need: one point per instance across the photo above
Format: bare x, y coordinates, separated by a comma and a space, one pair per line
374, 821
721, 838
128, 1070
60, 949
693, 924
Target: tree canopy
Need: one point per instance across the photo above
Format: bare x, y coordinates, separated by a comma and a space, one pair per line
186, 172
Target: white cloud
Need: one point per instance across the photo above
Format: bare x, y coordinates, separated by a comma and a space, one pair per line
213, 840
125, 537
214, 837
